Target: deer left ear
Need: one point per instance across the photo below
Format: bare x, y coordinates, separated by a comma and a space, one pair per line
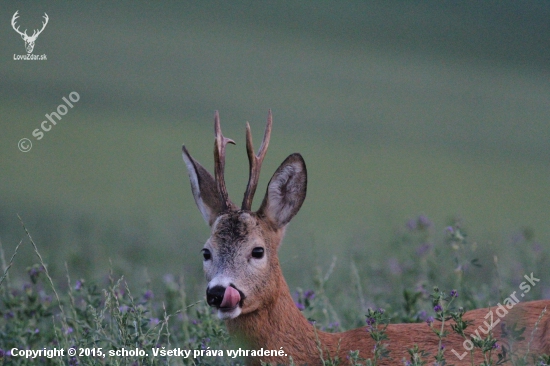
204, 189
286, 191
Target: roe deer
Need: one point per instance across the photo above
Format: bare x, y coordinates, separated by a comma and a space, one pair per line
247, 287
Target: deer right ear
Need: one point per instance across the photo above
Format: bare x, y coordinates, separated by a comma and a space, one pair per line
204, 189
286, 191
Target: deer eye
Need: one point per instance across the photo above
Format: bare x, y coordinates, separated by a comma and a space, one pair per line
258, 252
206, 254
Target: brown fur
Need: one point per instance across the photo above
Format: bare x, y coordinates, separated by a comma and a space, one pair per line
267, 316
281, 324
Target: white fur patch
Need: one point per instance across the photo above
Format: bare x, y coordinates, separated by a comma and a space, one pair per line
221, 280
224, 315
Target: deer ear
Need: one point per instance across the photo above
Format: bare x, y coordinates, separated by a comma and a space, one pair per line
286, 191
204, 189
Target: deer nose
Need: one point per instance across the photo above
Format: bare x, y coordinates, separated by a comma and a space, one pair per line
227, 298
214, 295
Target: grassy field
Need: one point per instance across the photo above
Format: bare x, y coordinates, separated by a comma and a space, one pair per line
404, 113
137, 198
115, 323
99, 189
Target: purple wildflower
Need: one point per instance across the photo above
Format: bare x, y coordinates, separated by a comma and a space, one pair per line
78, 285
450, 229
309, 295
454, 293
430, 320
46, 299
204, 343
148, 295
34, 272
119, 292
438, 308
68, 330
422, 290
411, 225
422, 315
123, 308
300, 306
424, 222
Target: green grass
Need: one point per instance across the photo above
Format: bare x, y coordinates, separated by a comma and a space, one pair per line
100, 190
115, 316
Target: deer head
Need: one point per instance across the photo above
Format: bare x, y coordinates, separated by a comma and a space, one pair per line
240, 258
29, 40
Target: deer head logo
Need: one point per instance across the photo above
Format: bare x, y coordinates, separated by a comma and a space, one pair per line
29, 40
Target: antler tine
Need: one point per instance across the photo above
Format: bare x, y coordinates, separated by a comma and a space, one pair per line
46, 18
255, 161
37, 32
13, 22
219, 160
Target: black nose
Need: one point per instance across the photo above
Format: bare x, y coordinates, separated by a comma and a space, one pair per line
214, 295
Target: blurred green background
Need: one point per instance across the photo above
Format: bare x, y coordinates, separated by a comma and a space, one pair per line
400, 108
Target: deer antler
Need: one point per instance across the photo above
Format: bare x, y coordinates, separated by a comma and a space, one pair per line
255, 161
219, 160
36, 33
13, 20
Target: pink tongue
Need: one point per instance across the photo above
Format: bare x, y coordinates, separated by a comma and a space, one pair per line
231, 298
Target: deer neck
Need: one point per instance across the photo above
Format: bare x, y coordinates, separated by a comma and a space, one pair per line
278, 324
